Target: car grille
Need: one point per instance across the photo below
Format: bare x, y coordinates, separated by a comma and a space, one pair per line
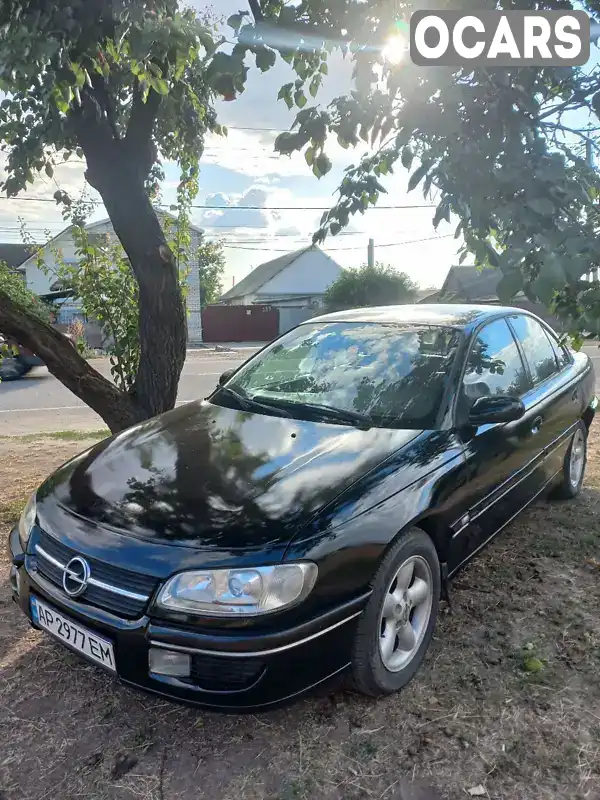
217, 674
122, 592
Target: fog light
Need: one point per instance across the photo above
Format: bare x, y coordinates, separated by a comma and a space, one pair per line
168, 662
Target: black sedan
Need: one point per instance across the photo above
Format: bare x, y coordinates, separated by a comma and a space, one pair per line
304, 520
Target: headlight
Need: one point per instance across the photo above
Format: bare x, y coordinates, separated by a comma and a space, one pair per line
26, 522
236, 592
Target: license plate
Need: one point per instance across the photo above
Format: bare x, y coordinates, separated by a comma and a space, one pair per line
74, 635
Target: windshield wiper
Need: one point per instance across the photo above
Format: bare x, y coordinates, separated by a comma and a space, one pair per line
362, 421
249, 403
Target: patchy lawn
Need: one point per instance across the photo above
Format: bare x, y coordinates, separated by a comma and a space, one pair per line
473, 719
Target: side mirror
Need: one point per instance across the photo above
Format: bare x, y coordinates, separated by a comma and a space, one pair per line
225, 376
496, 408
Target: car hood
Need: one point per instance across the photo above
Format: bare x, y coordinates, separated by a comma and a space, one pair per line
210, 477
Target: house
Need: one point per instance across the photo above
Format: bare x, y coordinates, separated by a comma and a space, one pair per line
299, 278
290, 287
42, 282
469, 284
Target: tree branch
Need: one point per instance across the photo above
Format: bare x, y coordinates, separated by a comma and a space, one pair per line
116, 408
256, 10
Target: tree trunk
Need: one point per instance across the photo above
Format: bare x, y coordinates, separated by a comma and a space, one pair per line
116, 408
117, 177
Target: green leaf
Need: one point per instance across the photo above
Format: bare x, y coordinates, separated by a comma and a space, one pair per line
442, 212
285, 93
533, 664
235, 20
321, 165
545, 286
324, 69
265, 59
160, 85
509, 285
309, 155
300, 98
314, 85
48, 170
417, 176
541, 205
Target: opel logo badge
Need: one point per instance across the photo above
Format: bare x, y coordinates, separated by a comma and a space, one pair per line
76, 576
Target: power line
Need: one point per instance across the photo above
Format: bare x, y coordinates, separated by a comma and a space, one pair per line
335, 249
244, 128
242, 208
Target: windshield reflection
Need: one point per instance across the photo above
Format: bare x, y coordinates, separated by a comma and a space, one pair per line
396, 375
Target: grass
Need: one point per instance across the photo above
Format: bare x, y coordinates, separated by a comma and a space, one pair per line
10, 510
65, 436
508, 698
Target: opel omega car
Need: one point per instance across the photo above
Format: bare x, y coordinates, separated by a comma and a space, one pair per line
304, 520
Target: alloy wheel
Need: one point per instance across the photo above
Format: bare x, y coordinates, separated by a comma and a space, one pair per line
405, 613
577, 460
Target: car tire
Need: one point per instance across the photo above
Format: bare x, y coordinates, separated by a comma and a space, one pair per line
573, 471
386, 655
11, 369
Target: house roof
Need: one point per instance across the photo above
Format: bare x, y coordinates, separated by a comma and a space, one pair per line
471, 283
89, 227
265, 272
13, 255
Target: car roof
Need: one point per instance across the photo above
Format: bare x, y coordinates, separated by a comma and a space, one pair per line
453, 315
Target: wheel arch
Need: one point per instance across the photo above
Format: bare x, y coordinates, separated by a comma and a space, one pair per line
439, 533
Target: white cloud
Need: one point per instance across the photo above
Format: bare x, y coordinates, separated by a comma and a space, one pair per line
244, 218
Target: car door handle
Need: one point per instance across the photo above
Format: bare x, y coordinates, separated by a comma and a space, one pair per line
537, 424
575, 396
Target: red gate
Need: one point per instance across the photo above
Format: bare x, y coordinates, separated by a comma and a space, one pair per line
240, 323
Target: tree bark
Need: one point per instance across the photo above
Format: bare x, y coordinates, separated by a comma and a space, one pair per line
117, 169
116, 408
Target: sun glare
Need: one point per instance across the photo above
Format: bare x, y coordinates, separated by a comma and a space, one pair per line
394, 49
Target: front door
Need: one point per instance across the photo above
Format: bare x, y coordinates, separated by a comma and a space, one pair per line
502, 459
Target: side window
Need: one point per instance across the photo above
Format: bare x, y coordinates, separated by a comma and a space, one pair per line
564, 359
494, 365
560, 351
537, 347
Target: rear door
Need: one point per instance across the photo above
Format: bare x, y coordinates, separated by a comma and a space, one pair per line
555, 397
502, 459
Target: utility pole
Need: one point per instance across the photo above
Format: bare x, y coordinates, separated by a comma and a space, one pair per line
371, 254
589, 153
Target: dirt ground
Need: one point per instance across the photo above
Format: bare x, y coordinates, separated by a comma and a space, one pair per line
474, 723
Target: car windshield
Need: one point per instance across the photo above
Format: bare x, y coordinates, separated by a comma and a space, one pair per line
390, 375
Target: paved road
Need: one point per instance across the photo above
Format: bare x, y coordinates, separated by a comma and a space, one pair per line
41, 403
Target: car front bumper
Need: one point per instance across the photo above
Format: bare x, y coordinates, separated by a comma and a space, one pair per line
230, 673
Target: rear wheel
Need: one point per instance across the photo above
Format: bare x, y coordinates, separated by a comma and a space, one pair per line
574, 465
11, 369
397, 625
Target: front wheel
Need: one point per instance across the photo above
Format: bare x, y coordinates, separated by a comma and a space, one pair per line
571, 476
397, 625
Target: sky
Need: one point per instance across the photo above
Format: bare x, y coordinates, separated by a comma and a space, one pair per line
242, 169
